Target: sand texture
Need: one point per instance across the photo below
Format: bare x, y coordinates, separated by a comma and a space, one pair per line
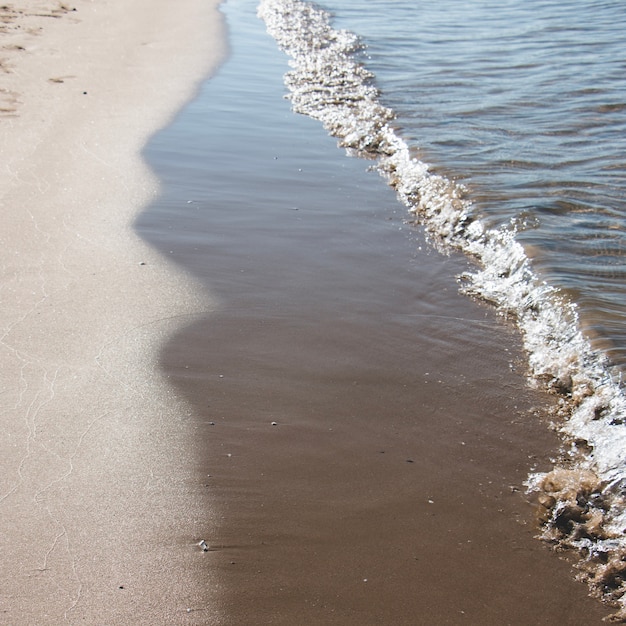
100, 506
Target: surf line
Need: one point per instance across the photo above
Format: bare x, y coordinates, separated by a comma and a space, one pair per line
583, 499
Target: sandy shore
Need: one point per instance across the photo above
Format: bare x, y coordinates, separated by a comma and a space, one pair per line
100, 508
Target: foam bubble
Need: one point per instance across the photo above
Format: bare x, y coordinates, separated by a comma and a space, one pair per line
582, 508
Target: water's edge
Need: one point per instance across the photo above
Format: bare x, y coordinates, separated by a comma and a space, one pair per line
582, 497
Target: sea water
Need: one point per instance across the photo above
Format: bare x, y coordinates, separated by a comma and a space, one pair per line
502, 128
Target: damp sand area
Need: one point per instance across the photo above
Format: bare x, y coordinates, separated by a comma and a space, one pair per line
100, 512
365, 431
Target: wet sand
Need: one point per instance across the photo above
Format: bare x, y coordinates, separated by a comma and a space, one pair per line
365, 430
100, 512
355, 489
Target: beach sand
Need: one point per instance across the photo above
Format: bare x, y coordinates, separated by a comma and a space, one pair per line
100, 510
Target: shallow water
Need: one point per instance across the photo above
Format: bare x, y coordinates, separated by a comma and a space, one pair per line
568, 352
363, 422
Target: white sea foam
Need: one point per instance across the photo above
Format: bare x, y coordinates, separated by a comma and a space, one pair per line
584, 499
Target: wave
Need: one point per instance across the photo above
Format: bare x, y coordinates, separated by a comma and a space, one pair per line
582, 500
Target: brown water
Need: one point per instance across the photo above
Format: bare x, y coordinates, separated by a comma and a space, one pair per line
367, 429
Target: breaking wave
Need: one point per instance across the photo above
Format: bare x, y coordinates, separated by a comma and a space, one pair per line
582, 501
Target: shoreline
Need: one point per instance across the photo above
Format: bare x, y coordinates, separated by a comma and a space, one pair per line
100, 505
366, 429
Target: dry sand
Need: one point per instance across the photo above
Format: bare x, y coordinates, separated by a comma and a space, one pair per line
100, 508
